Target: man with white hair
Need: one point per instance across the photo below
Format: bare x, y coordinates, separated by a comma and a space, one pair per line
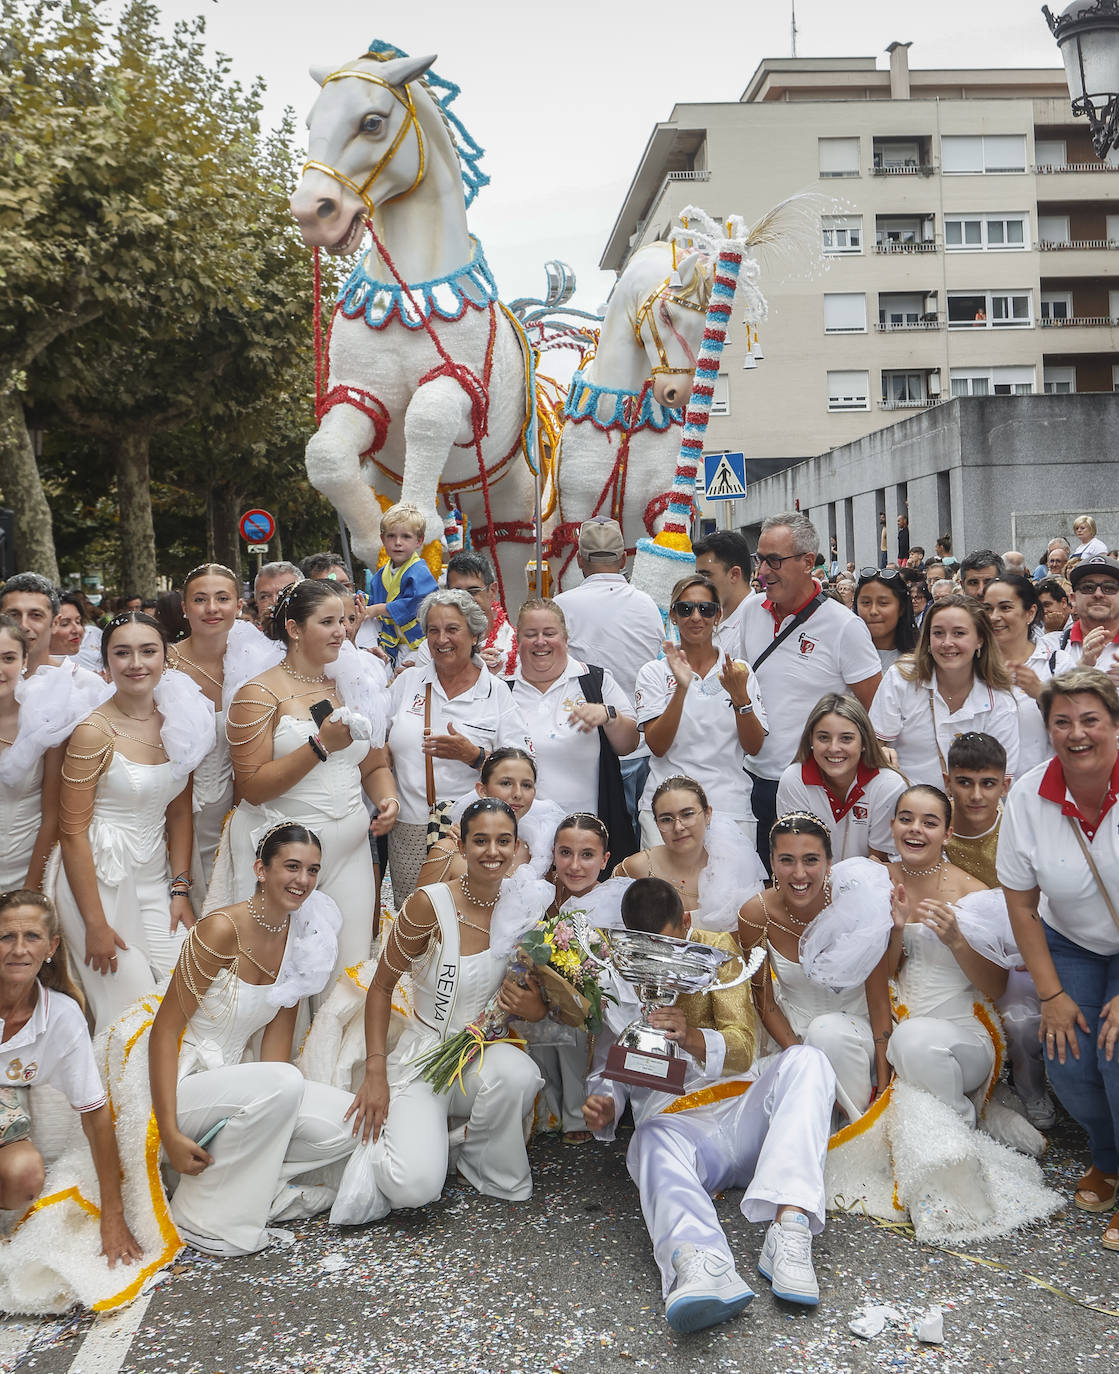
800, 644
270, 582
1015, 563
943, 587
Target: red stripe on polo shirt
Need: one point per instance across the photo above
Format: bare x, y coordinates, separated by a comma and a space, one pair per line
811, 776
1053, 788
1076, 634
777, 619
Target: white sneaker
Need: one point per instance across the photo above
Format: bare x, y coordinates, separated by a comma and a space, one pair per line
708, 1290
786, 1260
1041, 1112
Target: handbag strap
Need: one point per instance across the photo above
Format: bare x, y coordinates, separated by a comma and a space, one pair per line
1095, 871
936, 741
801, 616
429, 766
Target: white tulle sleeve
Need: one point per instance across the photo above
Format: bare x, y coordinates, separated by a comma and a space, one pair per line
732, 874
248, 653
985, 924
602, 904
523, 900
52, 702
361, 686
89, 650
537, 827
189, 724
309, 963
843, 944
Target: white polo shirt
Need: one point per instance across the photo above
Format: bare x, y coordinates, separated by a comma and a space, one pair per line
902, 715
728, 633
486, 714
1071, 654
860, 821
54, 1049
613, 624
1037, 848
566, 757
830, 652
1033, 738
706, 746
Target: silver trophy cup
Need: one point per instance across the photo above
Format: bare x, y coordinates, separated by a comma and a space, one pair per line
660, 967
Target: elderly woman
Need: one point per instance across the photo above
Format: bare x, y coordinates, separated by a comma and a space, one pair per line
447, 717
1059, 841
579, 718
700, 710
1084, 527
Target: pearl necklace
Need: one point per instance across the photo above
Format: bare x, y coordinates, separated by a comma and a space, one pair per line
258, 917
300, 677
923, 872
477, 901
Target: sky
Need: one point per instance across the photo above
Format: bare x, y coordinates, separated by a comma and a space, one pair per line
564, 96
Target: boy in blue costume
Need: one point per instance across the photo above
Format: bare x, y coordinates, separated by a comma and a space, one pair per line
399, 586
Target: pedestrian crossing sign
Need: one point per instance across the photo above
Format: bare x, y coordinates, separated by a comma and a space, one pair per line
724, 476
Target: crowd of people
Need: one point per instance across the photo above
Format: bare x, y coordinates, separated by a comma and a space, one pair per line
303, 828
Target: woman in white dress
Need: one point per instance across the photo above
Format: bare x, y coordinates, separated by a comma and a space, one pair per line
442, 937
850, 1023
220, 653
123, 893
955, 682
287, 767
841, 774
701, 853
37, 715
240, 1134
1018, 623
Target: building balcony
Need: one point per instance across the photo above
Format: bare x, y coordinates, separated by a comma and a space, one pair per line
920, 246
1045, 168
1063, 245
911, 405
891, 326
916, 169
1079, 322
697, 174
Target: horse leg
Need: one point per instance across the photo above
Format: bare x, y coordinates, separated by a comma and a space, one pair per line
437, 418
334, 468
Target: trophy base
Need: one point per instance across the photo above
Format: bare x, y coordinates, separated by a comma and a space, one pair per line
643, 1069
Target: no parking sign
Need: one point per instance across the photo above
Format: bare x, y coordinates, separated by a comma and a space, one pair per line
257, 526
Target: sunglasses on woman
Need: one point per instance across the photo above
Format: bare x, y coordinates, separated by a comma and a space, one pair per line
708, 609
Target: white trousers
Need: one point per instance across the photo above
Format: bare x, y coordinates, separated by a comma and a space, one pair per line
849, 1045
280, 1126
772, 1140
407, 1166
564, 1068
1021, 1018
945, 1058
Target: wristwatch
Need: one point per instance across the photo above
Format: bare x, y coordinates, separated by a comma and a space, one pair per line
747, 710
611, 712
479, 758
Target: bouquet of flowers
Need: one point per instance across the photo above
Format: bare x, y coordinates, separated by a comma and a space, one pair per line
569, 984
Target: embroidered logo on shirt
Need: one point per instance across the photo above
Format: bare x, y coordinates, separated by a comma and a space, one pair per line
806, 645
417, 706
860, 813
18, 1074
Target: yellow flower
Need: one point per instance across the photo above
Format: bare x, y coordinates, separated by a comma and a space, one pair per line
566, 961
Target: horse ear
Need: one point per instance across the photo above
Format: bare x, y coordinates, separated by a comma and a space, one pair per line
402, 70
320, 73
686, 269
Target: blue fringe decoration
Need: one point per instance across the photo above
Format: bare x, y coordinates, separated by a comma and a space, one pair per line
584, 402
449, 297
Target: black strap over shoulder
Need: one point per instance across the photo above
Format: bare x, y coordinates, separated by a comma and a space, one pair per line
801, 616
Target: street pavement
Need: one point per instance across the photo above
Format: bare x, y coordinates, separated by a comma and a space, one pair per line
566, 1282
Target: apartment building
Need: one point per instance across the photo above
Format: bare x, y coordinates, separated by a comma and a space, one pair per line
962, 240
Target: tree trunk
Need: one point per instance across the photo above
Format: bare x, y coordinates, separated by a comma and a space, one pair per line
23, 491
228, 547
134, 499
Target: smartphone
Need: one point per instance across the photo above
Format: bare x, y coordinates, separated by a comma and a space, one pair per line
321, 710
203, 1141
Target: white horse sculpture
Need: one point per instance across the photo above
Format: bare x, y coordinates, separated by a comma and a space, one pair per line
623, 417
430, 381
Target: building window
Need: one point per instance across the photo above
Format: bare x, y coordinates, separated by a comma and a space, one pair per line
1056, 305
989, 309
848, 390
1059, 381
904, 389
845, 312
839, 157
842, 233
1050, 152
963, 153
720, 401
976, 232
992, 381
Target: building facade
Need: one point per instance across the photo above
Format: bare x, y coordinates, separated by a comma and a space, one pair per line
961, 240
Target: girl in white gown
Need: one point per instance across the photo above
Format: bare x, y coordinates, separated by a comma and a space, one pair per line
220, 654
37, 715
288, 768
850, 1023
125, 820
409, 1132
239, 1135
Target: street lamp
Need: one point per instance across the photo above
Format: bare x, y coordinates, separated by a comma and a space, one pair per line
1087, 35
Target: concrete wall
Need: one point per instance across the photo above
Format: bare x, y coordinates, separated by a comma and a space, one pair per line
995, 471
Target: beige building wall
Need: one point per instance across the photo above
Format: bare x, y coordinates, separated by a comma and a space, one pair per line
745, 157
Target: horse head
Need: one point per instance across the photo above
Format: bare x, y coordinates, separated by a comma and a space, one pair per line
365, 148
669, 327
